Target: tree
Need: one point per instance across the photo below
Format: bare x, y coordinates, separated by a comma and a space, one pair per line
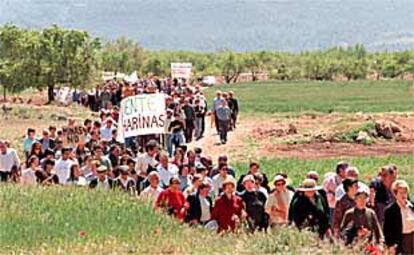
67, 56
19, 60
230, 66
253, 63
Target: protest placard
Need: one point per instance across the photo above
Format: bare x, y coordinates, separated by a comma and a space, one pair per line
181, 70
141, 115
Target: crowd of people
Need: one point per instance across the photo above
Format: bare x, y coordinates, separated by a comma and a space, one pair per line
190, 186
185, 103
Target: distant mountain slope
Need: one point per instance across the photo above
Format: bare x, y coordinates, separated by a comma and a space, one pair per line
209, 25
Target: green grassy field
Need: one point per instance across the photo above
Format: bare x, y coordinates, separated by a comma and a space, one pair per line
325, 97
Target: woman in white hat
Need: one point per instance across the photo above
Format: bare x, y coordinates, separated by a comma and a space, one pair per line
277, 205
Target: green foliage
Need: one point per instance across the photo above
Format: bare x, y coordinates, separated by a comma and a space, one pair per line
31, 58
122, 55
323, 96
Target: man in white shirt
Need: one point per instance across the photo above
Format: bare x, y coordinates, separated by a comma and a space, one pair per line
219, 178
351, 173
166, 170
106, 131
147, 160
153, 190
62, 166
8, 160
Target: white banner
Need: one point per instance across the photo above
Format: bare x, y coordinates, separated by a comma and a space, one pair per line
181, 70
141, 115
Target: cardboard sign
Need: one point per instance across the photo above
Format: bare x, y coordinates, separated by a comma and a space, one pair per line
142, 115
181, 70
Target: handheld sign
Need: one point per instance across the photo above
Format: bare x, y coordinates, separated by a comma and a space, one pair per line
181, 70
141, 115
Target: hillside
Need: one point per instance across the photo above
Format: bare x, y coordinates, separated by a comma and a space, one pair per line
209, 25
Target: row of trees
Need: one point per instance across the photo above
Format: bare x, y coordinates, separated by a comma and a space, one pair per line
53, 56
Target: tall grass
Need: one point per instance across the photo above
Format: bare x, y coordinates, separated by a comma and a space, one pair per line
52, 220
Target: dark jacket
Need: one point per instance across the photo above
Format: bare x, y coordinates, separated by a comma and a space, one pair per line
194, 210
304, 214
383, 198
255, 202
393, 225
94, 183
344, 204
128, 186
52, 143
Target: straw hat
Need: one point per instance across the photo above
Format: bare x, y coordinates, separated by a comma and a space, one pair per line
309, 185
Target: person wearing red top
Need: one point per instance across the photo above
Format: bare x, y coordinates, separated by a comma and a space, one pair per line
172, 200
229, 208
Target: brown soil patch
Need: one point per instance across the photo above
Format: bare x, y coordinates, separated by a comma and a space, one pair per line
257, 137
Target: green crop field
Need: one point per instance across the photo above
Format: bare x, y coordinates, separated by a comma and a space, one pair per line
325, 97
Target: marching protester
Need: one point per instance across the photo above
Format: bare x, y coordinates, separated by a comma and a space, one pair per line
103, 181
200, 205
219, 179
172, 200
309, 209
331, 182
254, 168
29, 174
233, 103
381, 190
346, 202
228, 210
153, 190
255, 202
166, 170
361, 223
399, 220
223, 114
277, 205
351, 173
9, 160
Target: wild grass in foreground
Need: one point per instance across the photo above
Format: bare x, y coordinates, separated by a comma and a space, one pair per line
325, 97
57, 220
